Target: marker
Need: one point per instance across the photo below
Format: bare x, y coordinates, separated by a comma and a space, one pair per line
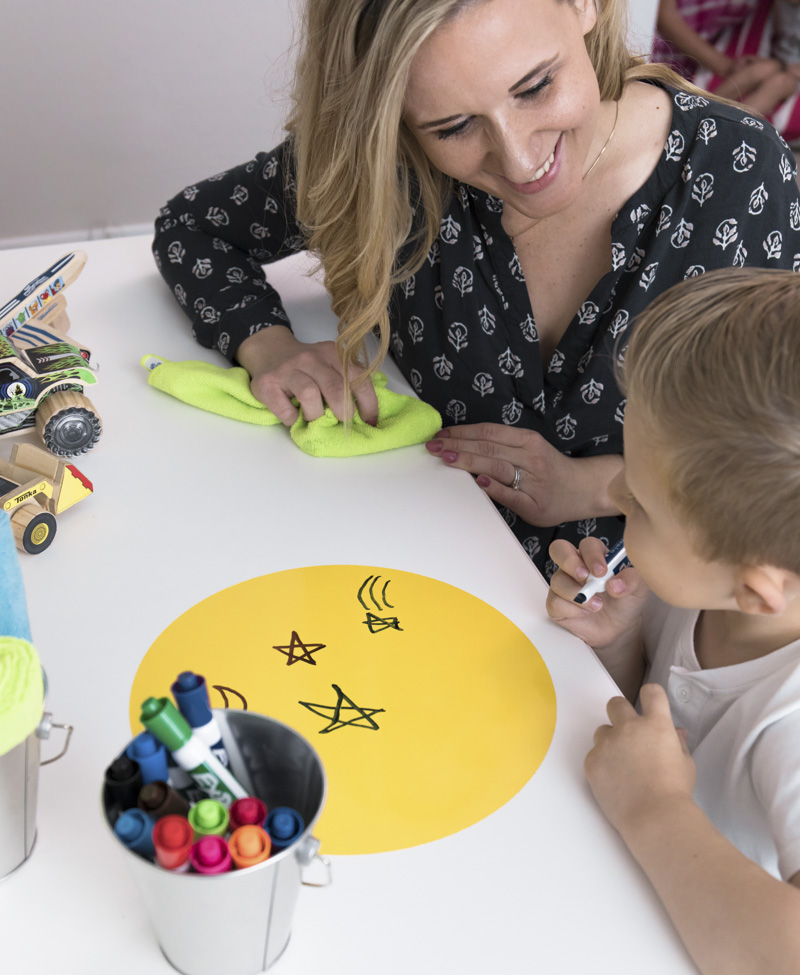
135, 829
248, 812
284, 825
180, 780
173, 838
616, 560
157, 799
249, 845
210, 854
151, 755
123, 780
209, 818
164, 720
191, 695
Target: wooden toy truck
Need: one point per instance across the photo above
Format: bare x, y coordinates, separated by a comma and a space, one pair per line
34, 488
43, 375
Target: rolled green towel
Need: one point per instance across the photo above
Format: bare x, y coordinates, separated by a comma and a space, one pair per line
21, 691
402, 420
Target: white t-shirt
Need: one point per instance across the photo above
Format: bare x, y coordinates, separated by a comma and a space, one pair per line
744, 735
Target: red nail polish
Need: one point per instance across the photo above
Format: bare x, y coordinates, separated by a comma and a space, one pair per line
443, 433
449, 456
433, 446
484, 481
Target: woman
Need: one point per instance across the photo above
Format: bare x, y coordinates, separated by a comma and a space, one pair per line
496, 186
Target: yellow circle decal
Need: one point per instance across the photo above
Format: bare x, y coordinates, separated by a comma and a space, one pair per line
429, 709
40, 533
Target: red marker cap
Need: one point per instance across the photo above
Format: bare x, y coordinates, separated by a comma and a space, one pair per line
172, 838
246, 812
249, 845
210, 855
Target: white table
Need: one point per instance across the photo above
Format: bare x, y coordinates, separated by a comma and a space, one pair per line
543, 885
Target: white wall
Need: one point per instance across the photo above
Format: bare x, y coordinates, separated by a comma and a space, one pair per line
109, 107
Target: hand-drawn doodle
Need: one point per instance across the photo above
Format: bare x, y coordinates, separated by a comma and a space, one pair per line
364, 714
377, 623
221, 688
305, 656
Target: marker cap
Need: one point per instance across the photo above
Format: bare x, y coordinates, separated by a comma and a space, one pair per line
209, 818
248, 812
284, 825
190, 691
173, 837
135, 829
158, 799
249, 845
210, 855
150, 754
164, 720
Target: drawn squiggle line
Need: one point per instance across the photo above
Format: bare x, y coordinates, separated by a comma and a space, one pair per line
361, 590
372, 593
221, 688
383, 595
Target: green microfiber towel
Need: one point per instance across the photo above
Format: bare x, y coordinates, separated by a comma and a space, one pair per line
402, 420
212, 388
21, 691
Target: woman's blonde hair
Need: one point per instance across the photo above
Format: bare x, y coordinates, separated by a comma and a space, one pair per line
368, 199
713, 373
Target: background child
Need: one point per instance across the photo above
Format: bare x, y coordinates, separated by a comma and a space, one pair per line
744, 50
711, 495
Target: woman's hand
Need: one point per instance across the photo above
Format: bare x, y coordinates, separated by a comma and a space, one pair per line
640, 762
551, 488
283, 368
609, 622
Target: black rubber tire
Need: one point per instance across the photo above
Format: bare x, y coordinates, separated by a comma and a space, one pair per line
39, 533
73, 430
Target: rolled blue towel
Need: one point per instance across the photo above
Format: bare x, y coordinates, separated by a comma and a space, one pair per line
13, 608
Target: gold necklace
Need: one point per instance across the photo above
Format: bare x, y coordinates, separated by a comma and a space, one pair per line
514, 237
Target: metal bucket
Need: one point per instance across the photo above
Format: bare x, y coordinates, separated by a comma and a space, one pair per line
248, 913
19, 787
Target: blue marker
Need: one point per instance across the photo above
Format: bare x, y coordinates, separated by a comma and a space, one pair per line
191, 696
151, 755
284, 826
135, 829
616, 560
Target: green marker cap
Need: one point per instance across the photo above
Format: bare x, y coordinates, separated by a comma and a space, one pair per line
209, 817
164, 720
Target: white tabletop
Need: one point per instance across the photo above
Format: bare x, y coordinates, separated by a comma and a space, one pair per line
541, 885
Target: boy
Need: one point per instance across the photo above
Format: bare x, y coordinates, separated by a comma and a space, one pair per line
711, 496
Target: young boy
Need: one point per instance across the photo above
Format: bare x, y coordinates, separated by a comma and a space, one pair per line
710, 615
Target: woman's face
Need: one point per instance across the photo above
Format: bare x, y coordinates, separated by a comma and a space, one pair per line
504, 97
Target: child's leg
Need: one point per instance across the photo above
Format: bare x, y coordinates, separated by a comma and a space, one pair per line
776, 89
746, 79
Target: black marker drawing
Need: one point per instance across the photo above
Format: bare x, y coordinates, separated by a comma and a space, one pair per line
224, 696
373, 622
305, 656
334, 711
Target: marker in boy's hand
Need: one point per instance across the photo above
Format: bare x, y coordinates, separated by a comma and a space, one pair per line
609, 621
640, 763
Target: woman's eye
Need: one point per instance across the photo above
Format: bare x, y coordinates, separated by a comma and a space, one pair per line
454, 130
538, 88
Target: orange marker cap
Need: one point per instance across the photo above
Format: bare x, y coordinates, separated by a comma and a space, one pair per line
249, 845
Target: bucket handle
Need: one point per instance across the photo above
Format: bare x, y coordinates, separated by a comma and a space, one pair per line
308, 854
43, 730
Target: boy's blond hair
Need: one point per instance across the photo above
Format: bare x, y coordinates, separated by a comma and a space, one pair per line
713, 369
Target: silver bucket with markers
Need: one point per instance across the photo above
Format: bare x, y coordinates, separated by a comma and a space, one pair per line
248, 912
19, 789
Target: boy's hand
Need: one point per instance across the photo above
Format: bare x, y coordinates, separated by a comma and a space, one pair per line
640, 762
607, 616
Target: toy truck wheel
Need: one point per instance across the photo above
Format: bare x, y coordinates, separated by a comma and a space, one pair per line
68, 423
33, 528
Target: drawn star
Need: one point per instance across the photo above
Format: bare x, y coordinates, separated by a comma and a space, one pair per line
305, 656
336, 722
378, 623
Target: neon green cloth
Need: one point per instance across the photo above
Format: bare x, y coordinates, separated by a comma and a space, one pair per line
402, 420
21, 691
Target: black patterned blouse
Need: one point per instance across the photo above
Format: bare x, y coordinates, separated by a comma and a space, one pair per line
723, 194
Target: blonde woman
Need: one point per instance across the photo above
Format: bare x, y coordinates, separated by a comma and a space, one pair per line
500, 188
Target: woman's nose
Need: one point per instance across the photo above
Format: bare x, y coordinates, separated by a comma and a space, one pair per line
519, 150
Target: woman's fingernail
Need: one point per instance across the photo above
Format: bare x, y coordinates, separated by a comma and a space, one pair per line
483, 481
434, 446
449, 456
599, 569
443, 433
581, 573
616, 585
595, 603
372, 421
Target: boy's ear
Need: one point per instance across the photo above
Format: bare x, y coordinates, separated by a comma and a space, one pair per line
765, 590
